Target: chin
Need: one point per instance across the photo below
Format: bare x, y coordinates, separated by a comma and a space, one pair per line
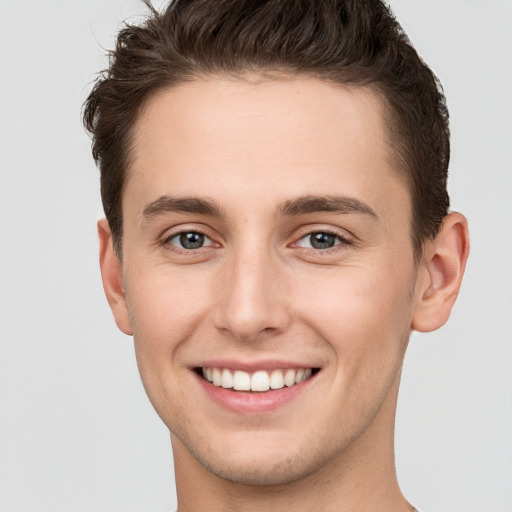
260, 472
256, 464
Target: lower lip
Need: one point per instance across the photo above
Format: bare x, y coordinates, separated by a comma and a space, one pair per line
255, 403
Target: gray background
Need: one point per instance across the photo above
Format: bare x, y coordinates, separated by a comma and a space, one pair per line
76, 430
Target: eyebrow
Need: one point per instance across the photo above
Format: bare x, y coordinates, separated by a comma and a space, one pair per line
300, 206
335, 204
168, 204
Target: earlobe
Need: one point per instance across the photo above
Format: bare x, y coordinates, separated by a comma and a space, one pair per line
443, 266
112, 276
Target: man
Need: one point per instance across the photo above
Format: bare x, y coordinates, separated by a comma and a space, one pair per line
273, 175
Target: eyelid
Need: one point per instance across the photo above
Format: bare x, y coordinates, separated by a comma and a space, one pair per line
186, 227
341, 240
171, 233
305, 231
179, 234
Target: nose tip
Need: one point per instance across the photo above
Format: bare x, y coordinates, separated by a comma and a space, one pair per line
251, 302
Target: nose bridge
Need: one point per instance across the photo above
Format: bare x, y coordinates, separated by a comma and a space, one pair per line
251, 300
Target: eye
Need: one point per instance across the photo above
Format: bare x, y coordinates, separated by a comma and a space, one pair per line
320, 240
189, 240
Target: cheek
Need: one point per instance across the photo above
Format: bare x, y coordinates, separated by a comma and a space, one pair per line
363, 313
165, 311
166, 305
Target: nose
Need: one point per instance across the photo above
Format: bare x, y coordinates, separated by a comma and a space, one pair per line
252, 299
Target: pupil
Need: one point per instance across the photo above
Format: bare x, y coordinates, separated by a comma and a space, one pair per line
322, 240
191, 240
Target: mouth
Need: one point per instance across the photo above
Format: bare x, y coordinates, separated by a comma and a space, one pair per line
259, 381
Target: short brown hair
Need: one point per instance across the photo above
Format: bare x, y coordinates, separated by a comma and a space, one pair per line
352, 42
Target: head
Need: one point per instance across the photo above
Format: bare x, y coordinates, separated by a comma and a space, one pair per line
274, 180
350, 42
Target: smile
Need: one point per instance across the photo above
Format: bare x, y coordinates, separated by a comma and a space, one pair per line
259, 381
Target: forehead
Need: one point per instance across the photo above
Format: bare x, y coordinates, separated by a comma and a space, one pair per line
271, 139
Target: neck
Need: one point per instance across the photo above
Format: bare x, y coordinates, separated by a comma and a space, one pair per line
363, 477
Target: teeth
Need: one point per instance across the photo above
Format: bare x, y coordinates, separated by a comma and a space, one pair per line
216, 377
242, 381
227, 379
276, 379
289, 378
259, 381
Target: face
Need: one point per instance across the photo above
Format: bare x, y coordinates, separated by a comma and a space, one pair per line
266, 247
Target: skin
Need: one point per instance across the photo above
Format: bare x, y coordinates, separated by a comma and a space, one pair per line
257, 151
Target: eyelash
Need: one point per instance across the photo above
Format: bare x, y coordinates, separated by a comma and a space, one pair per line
168, 241
183, 250
341, 240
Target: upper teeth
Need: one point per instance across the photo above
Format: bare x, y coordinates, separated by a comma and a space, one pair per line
258, 381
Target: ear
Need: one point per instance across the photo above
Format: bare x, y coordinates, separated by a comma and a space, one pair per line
112, 276
442, 267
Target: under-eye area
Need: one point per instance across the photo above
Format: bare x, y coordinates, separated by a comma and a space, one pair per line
259, 381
